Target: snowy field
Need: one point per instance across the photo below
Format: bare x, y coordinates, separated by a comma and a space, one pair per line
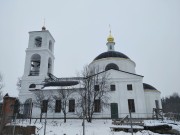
97, 127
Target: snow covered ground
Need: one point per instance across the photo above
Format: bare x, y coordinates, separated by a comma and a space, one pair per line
175, 125
97, 127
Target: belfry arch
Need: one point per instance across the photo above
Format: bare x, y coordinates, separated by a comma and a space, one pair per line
50, 45
49, 65
38, 41
35, 65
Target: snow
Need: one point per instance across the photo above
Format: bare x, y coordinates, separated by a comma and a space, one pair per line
97, 127
175, 125
127, 126
153, 123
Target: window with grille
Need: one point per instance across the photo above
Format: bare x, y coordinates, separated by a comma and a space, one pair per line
96, 87
97, 105
58, 106
129, 87
72, 105
113, 87
131, 105
44, 106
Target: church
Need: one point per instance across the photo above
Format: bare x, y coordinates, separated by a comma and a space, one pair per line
126, 90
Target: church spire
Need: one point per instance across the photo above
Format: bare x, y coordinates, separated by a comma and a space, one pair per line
110, 44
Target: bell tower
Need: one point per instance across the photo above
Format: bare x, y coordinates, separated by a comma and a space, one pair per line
39, 61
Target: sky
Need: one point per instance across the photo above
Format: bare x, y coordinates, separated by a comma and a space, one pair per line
147, 31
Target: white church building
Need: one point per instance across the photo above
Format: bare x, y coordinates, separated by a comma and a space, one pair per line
126, 88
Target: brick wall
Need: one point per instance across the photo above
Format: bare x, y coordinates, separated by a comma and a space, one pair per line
20, 130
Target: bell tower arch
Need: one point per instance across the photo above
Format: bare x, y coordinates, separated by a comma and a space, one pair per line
39, 61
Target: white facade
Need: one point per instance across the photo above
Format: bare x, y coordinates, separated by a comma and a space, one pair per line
129, 86
151, 97
38, 62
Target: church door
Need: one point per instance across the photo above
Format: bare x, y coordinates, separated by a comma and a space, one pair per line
114, 111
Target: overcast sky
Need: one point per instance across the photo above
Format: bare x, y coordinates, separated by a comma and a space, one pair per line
147, 31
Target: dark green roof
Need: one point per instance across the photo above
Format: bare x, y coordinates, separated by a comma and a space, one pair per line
149, 87
111, 54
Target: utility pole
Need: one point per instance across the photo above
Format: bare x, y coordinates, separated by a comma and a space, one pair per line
14, 124
83, 123
131, 122
45, 124
31, 110
84, 100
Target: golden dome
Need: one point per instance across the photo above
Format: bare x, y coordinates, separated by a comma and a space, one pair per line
110, 38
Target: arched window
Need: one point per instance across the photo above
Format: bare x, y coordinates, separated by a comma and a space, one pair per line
38, 41
32, 86
50, 45
72, 105
50, 65
27, 108
35, 65
111, 66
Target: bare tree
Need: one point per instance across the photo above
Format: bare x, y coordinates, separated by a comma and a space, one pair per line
19, 82
40, 96
63, 94
95, 96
